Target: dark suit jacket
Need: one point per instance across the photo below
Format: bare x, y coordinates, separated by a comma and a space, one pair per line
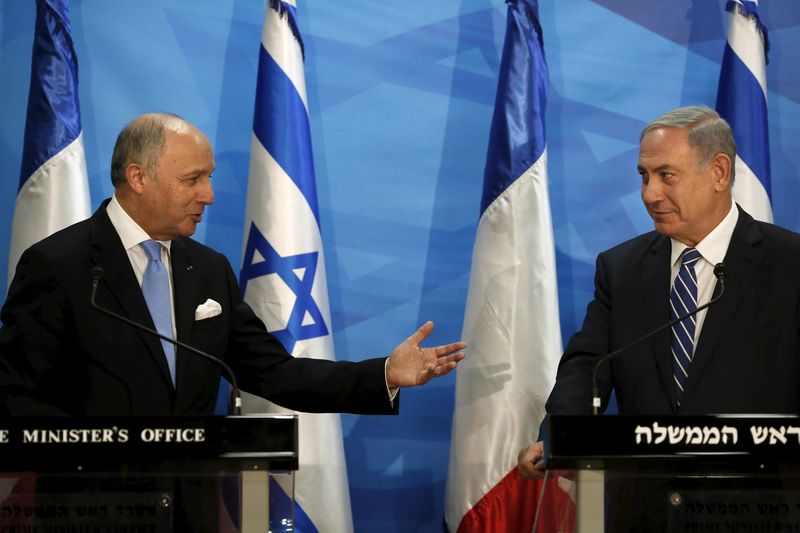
58, 355
747, 359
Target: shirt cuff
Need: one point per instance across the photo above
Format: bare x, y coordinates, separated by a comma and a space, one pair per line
391, 391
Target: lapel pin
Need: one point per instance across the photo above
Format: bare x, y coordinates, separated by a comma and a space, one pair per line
189, 268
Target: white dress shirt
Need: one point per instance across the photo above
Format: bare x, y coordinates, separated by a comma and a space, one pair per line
712, 250
132, 235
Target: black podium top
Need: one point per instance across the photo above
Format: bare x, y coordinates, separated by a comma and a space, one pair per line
175, 443
749, 443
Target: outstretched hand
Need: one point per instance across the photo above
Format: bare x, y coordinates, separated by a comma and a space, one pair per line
410, 364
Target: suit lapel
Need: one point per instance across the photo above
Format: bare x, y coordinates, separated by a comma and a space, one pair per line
120, 281
741, 261
187, 296
655, 295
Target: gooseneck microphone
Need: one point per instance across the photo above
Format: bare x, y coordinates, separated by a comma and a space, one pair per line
719, 273
235, 400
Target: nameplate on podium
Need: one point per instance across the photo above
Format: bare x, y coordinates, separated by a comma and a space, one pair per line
105, 443
620, 442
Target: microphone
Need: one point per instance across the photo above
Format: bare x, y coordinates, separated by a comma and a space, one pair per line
719, 273
235, 400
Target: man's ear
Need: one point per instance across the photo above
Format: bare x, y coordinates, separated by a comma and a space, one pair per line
135, 176
721, 167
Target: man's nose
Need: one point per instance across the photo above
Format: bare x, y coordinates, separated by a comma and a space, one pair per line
651, 192
206, 196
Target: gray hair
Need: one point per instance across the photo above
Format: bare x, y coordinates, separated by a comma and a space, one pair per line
709, 134
142, 142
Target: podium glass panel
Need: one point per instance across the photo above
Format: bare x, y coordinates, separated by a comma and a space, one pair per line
613, 500
155, 502
139, 474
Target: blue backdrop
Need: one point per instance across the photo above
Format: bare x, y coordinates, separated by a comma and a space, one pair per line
401, 95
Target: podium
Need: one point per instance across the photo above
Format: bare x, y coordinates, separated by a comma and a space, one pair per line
672, 473
137, 474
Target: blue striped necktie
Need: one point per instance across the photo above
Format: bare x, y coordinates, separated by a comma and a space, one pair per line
683, 300
155, 287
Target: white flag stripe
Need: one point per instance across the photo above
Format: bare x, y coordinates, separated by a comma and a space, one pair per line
741, 34
283, 49
749, 192
512, 313
53, 197
273, 195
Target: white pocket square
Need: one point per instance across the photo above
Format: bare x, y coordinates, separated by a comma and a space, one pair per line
207, 309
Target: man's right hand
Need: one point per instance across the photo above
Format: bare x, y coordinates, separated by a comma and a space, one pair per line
529, 461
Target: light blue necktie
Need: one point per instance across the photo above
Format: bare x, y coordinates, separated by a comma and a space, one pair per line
683, 300
155, 286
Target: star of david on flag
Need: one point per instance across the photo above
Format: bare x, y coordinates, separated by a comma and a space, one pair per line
283, 271
297, 272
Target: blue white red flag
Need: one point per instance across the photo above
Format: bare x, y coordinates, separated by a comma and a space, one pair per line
511, 323
742, 101
283, 271
53, 188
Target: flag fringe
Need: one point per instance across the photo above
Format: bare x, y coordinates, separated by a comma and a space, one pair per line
288, 14
748, 10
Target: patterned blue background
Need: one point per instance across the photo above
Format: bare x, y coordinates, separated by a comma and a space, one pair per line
400, 97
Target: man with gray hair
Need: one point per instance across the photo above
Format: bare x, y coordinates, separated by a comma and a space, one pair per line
61, 356
742, 354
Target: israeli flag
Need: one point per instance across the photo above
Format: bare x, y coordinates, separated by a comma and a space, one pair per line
283, 271
54, 187
742, 101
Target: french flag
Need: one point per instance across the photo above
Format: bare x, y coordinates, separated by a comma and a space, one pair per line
54, 187
511, 322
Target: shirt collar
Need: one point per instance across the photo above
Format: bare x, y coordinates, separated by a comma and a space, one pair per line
714, 246
129, 231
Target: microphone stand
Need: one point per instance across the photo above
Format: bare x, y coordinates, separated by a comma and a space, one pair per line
235, 399
719, 272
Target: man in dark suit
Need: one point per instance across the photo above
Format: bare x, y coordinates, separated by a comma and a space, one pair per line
60, 356
743, 353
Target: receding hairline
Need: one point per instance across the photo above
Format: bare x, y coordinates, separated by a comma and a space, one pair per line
706, 132
144, 139
688, 118
168, 121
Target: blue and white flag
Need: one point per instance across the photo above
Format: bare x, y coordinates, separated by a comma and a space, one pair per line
742, 101
54, 188
283, 271
511, 323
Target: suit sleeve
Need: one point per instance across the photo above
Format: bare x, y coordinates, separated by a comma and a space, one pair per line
265, 368
32, 339
572, 393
